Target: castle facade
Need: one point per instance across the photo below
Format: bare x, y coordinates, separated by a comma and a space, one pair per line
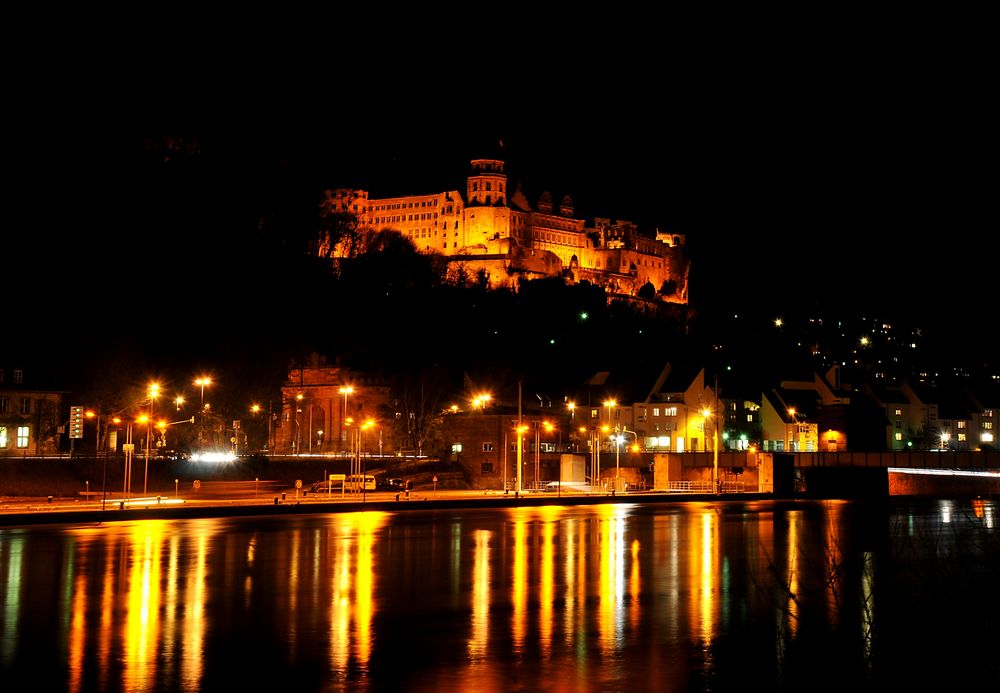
491, 231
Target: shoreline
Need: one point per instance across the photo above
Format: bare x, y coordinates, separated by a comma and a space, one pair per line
40, 511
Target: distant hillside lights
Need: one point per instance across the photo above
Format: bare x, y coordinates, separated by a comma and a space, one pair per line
495, 233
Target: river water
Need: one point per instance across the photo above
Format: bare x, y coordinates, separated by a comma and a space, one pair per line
804, 595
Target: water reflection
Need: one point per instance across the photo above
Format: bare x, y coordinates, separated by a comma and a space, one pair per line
608, 597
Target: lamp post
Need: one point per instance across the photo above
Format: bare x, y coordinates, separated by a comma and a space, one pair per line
788, 427
520, 454
201, 382
618, 449
715, 450
345, 391
154, 392
363, 467
128, 448
298, 428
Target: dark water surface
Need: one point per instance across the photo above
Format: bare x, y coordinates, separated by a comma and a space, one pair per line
806, 595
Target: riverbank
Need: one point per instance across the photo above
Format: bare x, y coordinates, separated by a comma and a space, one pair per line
36, 511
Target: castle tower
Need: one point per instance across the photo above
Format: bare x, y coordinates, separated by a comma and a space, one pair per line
487, 183
487, 214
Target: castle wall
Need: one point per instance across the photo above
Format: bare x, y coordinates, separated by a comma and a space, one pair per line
542, 242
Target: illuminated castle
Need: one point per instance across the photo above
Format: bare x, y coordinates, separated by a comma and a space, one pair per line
493, 232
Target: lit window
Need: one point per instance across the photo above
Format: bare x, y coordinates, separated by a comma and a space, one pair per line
987, 413
961, 437
22, 436
749, 418
987, 424
670, 411
656, 411
3, 437
899, 436
986, 438
961, 424
593, 413
456, 447
899, 412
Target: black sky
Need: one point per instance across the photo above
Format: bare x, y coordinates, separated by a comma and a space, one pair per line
840, 168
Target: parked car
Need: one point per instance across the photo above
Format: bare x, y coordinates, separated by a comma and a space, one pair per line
392, 484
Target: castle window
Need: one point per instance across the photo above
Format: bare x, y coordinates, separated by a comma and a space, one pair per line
475, 187
488, 186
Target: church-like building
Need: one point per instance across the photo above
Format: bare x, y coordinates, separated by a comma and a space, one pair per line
495, 232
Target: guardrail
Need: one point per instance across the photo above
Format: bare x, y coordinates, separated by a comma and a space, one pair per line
689, 486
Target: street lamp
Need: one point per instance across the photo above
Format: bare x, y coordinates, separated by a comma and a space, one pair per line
715, 450
345, 391
480, 401
520, 455
154, 392
298, 428
572, 410
609, 404
788, 428
201, 382
361, 466
178, 401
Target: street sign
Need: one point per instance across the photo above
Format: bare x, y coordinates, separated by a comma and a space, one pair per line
76, 422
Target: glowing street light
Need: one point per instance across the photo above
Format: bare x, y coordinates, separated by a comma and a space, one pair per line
572, 410
480, 401
791, 415
154, 392
179, 402
202, 382
345, 391
707, 413
609, 404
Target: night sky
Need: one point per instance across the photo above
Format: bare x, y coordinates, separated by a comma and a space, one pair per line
830, 171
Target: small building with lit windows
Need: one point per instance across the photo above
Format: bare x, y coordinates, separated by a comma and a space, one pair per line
30, 414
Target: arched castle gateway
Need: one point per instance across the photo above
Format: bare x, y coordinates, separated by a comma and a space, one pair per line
496, 230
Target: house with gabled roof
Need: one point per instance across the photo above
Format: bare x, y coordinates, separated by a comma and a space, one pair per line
984, 404
678, 412
943, 415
